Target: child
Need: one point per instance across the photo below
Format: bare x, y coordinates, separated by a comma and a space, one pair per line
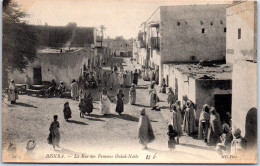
172, 134
82, 107
67, 111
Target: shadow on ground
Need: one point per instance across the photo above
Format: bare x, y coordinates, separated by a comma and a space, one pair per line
122, 116
25, 105
77, 122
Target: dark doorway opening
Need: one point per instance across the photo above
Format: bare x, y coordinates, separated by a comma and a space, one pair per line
223, 105
37, 76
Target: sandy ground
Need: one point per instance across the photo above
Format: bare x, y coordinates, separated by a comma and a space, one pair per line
95, 138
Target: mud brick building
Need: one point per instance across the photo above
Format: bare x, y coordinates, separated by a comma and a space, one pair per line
242, 53
182, 34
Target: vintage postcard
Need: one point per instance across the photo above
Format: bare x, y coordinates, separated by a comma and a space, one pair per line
120, 81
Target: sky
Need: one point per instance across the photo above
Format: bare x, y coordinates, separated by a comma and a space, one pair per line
120, 17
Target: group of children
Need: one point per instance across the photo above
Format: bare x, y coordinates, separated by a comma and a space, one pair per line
85, 106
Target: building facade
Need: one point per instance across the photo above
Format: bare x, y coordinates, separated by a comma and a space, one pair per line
189, 33
242, 53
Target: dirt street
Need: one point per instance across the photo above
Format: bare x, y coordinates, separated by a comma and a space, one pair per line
95, 138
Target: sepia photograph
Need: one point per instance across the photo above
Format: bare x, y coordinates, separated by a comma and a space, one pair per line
121, 81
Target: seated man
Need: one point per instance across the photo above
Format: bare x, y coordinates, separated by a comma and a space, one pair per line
51, 90
61, 88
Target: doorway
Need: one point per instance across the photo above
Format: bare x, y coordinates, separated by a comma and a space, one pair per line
223, 105
37, 76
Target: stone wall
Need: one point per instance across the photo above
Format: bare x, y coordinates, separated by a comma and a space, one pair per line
244, 100
242, 17
61, 67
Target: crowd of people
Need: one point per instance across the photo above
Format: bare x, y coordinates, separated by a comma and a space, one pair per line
208, 127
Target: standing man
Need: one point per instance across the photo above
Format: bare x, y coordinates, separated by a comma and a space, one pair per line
27, 81
13, 93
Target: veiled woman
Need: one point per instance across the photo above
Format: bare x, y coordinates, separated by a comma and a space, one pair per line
189, 124
153, 96
120, 102
145, 131
54, 139
204, 123
176, 120
215, 129
104, 103
89, 103
13, 93
132, 94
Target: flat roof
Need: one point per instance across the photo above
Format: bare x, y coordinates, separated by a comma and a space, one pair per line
57, 50
216, 72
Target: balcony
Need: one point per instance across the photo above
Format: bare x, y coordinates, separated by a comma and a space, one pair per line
154, 42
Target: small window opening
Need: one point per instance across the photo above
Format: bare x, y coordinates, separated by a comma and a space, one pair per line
225, 29
239, 33
221, 22
203, 30
178, 23
211, 23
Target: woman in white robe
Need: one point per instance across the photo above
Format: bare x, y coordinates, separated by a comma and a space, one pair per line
74, 90
13, 93
145, 130
104, 103
120, 79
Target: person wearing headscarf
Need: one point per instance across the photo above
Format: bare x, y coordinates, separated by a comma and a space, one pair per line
61, 88
176, 121
215, 129
54, 136
105, 77
238, 145
120, 102
204, 123
145, 131
89, 103
128, 79
67, 111
13, 92
151, 75
153, 97
189, 124
163, 86
132, 94
172, 133
170, 97
121, 79
104, 103
136, 75
112, 80
74, 90
27, 81
226, 139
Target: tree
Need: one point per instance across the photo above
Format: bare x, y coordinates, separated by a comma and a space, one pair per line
19, 39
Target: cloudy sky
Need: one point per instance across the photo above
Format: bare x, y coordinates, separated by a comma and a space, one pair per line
121, 17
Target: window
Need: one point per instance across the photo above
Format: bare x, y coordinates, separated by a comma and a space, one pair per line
178, 23
203, 30
225, 29
211, 23
239, 33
